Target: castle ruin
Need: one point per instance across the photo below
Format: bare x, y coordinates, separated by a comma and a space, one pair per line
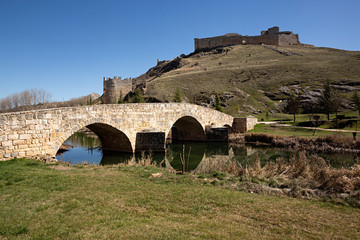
272, 36
113, 87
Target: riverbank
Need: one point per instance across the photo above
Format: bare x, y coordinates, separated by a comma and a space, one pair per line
335, 143
134, 202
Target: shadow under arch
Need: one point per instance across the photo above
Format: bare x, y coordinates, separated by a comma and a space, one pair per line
112, 139
186, 128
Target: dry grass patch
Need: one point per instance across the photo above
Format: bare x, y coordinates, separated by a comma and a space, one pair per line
123, 202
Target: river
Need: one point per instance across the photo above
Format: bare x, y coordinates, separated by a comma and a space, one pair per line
200, 155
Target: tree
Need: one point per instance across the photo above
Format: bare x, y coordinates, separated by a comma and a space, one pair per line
218, 103
139, 98
355, 98
293, 105
178, 95
326, 100
337, 102
121, 98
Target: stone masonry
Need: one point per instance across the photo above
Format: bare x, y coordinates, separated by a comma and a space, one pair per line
272, 36
40, 133
242, 125
113, 87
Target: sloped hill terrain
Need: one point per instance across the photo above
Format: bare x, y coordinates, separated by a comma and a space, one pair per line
252, 79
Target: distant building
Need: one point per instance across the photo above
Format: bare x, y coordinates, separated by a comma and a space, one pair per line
270, 37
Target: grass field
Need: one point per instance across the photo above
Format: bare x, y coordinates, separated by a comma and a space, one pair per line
40, 201
294, 131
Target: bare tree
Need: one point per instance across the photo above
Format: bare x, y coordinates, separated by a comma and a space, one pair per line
25, 99
44, 96
15, 100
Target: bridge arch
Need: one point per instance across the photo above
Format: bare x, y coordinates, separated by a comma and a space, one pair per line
111, 137
40, 133
186, 128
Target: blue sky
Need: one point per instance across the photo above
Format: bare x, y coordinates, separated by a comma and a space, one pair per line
67, 47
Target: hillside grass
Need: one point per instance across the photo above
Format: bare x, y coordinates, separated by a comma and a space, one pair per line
294, 131
254, 69
40, 201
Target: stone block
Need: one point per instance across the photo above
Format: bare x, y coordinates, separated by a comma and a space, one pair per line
13, 136
218, 134
7, 143
25, 136
150, 141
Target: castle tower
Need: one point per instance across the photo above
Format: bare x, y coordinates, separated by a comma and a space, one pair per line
113, 87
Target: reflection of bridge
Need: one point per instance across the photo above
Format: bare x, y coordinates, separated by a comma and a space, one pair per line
124, 127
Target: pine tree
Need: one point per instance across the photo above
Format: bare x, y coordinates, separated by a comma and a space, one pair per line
139, 98
178, 95
326, 100
218, 103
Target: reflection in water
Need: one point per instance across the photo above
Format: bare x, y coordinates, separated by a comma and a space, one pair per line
203, 157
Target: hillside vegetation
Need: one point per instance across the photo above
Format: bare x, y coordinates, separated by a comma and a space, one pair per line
252, 79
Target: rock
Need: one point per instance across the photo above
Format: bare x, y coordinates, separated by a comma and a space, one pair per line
344, 88
251, 109
241, 93
226, 95
285, 90
156, 175
49, 159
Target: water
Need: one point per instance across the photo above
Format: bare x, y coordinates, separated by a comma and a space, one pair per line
200, 155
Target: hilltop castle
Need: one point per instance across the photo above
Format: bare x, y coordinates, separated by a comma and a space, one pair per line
270, 37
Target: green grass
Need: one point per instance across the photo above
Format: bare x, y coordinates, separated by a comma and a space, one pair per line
293, 131
121, 202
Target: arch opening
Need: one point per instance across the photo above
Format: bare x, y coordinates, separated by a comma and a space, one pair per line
98, 135
186, 129
112, 139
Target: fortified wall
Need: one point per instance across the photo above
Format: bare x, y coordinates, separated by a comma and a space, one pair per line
272, 36
113, 87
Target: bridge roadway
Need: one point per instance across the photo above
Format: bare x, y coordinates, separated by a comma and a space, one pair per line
121, 127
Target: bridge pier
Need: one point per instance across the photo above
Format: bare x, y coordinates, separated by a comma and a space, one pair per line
40, 133
150, 141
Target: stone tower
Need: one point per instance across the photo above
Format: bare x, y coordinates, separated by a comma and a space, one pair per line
112, 88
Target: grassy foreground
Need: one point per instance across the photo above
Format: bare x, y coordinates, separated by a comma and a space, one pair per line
39, 201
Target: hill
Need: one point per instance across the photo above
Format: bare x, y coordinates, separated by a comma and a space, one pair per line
252, 79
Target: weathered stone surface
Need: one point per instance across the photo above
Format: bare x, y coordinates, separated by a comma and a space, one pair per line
150, 141
217, 134
242, 125
44, 131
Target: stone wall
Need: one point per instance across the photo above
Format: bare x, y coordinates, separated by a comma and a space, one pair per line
112, 88
42, 132
270, 37
242, 125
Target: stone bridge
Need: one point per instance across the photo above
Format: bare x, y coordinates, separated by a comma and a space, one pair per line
122, 127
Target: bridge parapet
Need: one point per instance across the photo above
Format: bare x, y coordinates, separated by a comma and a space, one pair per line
41, 132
